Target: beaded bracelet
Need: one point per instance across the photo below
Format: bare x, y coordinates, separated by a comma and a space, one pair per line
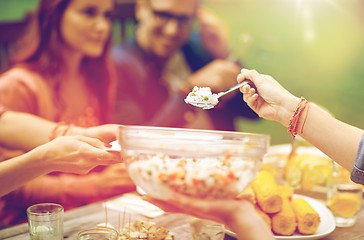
294, 120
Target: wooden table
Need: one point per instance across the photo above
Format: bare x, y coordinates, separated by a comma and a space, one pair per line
91, 215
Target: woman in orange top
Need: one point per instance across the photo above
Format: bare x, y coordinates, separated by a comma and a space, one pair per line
63, 74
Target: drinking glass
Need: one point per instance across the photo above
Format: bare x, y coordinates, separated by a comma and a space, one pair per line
45, 221
344, 198
203, 229
98, 233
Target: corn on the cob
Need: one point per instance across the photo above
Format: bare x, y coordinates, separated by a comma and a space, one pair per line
285, 191
266, 192
248, 194
307, 218
284, 222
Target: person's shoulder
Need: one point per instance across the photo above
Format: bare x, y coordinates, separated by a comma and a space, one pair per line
23, 90
21, 73
129, 60
23, 76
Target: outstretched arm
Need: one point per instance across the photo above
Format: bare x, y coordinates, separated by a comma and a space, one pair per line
271, 101
26, 131
77, 154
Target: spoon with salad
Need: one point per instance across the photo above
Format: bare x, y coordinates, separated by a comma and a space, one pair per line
203, 97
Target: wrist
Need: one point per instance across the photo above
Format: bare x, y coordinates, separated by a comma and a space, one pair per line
60, 129
41, 159
74, 131
287, 110
291, 115
236, 221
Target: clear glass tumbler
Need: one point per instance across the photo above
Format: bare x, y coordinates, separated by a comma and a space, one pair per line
45, 221
344, 198
203, 229
98, 233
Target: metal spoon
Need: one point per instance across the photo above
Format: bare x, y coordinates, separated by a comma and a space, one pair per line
210, 104
220, 94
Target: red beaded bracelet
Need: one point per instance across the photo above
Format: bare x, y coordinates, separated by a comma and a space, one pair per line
294, 120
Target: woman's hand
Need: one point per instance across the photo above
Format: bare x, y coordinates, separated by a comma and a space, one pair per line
75, 154
106, 133
216, 210
267, 97
238, 215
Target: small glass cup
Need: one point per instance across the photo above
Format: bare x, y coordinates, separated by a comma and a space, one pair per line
98, 233
203, 229
344, 198
45, 221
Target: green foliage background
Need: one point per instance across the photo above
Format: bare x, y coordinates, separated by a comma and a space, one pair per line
314, 48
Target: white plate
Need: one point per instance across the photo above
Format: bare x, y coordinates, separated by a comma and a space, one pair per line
286, 149
326, 226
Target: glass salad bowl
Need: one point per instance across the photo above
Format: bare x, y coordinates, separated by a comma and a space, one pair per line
199, 163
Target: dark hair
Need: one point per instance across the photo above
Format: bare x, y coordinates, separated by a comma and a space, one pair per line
39, 51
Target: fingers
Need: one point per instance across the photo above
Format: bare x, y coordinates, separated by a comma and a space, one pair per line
106, 133
251, 75
252, 101
202, 208
177, 203
250, 93
107, 158
96, 157
92, 141
95, 148
246, 89
164, 205
181, 204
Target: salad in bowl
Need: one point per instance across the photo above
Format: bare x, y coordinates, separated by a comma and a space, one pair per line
199, 163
